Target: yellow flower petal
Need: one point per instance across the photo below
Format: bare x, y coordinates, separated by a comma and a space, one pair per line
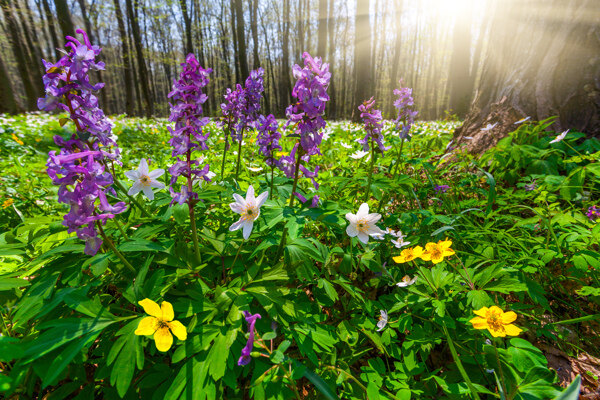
509, 317
496, 310
512, 330
479, 323
147, 326
426, 256
163, 339
497, 333
178, 329
482, 312
417, 251
167, 311
151, 308
448, 252
399, 259
445, 244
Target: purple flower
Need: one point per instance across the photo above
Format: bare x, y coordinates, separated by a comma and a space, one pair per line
373, 122
529, 187
251, 320
188, 133
314, 202
593, 213
441, 188
406, 116
79, 167
268, 137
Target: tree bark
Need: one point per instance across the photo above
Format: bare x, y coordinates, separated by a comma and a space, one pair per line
64, 18
127, 76
254, 29
554, 72
241, 39
285, 85
51, 28
8, 103
143, 72
20, 56
322, 29
363, 86
188, 48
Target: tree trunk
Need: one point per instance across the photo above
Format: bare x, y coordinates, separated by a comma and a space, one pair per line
241, 39
254, 29
188, 48
20, 56
126, 60
322, 29
8, 104
363, 88
554, 72
236, 59
459, 81
51, 28
397, 53
332, 106
285, 85
64, 18
143, 72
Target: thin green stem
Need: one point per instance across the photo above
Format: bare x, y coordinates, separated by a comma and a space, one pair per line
116, 220
238, 253
272, 179
398, 159
132, 199
239, 156
502, 381
370, 176
225, 150
111, 245
461, 369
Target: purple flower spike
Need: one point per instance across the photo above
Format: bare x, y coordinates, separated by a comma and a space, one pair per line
406, 116
593, 213
188, 133
441, 188
79, 168
373, 124
268, 137
251, 320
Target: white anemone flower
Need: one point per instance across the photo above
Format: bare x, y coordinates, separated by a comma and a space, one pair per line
362, 224
560, 137
255, 169
489, 127
144, 180
345, 145
249, 210
359, 154
406, 281
383, 320
399, 243
522, 120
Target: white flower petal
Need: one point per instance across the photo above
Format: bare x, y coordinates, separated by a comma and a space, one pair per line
351, 230
236, 208
135, 188
239, 200
260, 200
148, 192
247, 229
143, 168
157, 184
363, 237
363, 211
236, 225
250, 194
134, 175
156, 173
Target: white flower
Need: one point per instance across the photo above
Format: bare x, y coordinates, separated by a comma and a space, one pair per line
406, 281
383, 320
144, 180
362, 224
489, 127
345, 145
359, 154
560, 137
249, 210
201, 181
522, 120
399, 243
255, 169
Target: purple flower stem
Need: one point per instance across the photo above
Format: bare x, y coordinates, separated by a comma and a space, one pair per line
225, 148
237, 168
191, 204
272, 179
111, 245
398, 159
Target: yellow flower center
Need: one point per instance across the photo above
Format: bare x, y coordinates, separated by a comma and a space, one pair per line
494, 321
145, 180
362, 225
436, 252
162, 323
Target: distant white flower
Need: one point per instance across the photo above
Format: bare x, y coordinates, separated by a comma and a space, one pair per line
249, 210
359, 154
201, 181
378, 236
389, 231
144, 180
468, 137
406, 281
383, 320
560, 137
362, 224
347, 146
489, 127
522, 120
255, 169
399, 243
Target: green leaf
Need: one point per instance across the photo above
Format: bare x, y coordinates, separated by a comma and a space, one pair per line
572, 391
320, 385
12, 283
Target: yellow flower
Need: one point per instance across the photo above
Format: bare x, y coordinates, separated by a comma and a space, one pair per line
16, 139
498, 322
409, 254
7, 203
281, 153
435, 252
159, 323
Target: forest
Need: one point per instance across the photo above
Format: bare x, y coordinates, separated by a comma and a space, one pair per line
300, 199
